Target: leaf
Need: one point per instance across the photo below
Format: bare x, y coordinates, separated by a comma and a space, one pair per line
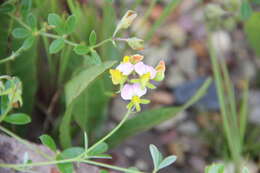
99, 149
54, 19
56, 46
73, 89
150, 118
48, 141
156, 156
6, 8
20, 33
64, 167
167, 161
252, 29
81, 49
28, 43
92, 38
31, 21
70, 24
246, 10
215, 168
72, 152
95, 58
26, 6
18, 119
79, 83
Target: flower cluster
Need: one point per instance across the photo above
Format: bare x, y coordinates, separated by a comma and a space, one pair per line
134, 77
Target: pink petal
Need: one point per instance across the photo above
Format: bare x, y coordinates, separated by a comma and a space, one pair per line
127, 92
140, 68
138, 91
125, 68
152, 71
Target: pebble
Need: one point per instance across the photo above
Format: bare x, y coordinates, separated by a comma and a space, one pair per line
174, 76
186, 60
188, 128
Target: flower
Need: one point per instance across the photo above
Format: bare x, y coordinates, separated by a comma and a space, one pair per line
126, 68
135, 43
133, 59
133, 92
142, 69
117, 77
160, 68
126, 21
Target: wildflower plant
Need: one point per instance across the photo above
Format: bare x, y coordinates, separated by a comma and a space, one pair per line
135, 78
132, 75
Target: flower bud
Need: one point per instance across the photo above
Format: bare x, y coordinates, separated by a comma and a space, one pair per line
135, 43
160, 68
126, 21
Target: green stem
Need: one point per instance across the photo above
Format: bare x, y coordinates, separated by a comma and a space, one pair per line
24, 142
109, 166
12, 56
101, 43
20, 22
112, 132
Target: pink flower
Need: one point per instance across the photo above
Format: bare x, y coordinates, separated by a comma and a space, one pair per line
129, 91
125, 68
142, 69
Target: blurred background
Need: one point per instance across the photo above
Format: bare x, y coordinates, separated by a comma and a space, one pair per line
176, 31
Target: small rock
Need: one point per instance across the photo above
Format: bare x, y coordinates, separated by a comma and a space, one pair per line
161, 97
188, 128
186, 60
174, 77
141, 164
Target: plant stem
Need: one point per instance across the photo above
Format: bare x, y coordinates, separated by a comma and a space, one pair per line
112, 132
101, 43
109, 166
12, 56
24, 142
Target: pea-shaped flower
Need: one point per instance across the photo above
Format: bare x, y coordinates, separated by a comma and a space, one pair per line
146, 73
133, 92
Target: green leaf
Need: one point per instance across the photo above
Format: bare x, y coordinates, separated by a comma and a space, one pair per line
64, 167
99, 149
70, 24
18, 119
72, 152
92, 38
215, 168
31, 21
20, 33
54, 20
95, 58
26, 6
28, 42
150, 118
81, 49
79, 83
167, 161
252, 29
156, 156
6, 8
48, 141
56, 46
246, 10
73, 89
